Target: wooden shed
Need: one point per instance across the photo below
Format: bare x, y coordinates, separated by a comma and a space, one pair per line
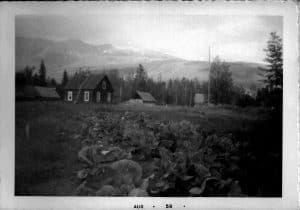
29, 92
89, 88
145, 97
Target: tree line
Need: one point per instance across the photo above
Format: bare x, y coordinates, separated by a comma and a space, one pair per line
219, 89
182, 91
173, 91
39, 78
28, 77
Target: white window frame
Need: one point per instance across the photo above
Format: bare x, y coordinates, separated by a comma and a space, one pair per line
98, 93
86, 96
70, 96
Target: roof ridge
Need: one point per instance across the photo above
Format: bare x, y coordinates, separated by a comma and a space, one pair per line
146, 96
142, 91
89, 81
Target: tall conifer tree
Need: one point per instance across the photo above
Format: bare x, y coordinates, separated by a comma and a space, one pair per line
273, 72
42, 74
65, 78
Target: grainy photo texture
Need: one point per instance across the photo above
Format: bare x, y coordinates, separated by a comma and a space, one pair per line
144, 105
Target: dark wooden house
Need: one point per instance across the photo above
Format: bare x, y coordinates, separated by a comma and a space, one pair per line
91, 88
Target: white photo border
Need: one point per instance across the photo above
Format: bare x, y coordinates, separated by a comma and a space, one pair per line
287, 9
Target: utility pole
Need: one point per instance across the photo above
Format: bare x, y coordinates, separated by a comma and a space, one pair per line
208, 85
120, 92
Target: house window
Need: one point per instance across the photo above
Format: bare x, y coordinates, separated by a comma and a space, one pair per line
98, 96
103, 85
86, 95
70, 96
109, 97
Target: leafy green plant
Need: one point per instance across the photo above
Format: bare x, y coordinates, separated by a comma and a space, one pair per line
197, 166
188, 161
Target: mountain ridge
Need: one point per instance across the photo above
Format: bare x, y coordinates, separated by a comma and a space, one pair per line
73, 54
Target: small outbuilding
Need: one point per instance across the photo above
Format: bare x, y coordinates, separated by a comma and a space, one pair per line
29, 92
48, 93
199, 99
144, 97
89, 88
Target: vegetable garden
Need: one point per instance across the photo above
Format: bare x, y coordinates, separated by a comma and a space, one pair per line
153, 152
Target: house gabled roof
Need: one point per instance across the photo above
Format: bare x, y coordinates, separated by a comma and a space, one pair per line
76, 81
32, 92
145, 96
85, 81
46, 92
92, 81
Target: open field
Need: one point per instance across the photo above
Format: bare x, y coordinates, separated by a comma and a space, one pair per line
46, 157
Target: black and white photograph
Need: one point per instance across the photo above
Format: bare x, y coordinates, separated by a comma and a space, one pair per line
136, 104
148, 106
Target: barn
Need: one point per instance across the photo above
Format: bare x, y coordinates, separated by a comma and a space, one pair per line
29, 92
89, 88
144, 97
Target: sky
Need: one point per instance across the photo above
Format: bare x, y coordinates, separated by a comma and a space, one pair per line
232, 38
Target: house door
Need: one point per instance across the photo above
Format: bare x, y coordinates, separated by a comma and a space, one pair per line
98, 97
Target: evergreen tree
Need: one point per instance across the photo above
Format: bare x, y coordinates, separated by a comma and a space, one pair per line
221, 83
36, 80
271, 95
25, 77
273, 72
140, 80
20, 79
42, 74
65, 78
28, 73
53, 83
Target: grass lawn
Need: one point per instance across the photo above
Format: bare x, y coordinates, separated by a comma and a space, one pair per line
47, 158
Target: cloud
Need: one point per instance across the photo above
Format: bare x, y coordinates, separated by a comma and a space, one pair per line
185, 36
238, 51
